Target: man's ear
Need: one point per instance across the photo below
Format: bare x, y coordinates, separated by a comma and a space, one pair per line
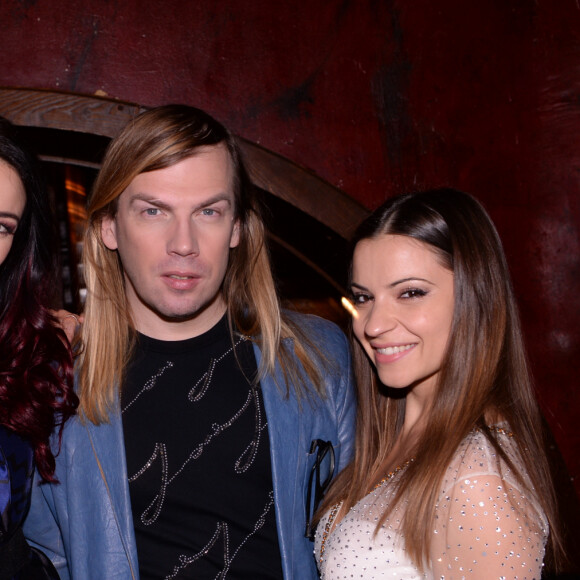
109, 232
235, 237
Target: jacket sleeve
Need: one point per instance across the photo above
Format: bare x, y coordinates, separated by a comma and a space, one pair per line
340, 397
41, 528
342, 393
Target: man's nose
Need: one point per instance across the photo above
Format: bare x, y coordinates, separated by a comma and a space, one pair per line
183, 238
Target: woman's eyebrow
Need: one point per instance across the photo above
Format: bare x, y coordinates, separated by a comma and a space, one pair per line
396, 282
410, 279
6, 214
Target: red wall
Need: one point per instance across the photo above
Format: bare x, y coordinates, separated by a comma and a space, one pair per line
375, 97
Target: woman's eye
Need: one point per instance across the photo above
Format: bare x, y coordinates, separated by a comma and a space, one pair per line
7, 229
359, 298
413, 293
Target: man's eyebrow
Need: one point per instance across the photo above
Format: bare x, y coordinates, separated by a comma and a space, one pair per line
215, 199
148, 198
151, 199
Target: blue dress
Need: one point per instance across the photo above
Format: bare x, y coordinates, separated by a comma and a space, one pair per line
18, 561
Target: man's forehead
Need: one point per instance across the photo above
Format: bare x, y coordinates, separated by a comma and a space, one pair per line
209, 171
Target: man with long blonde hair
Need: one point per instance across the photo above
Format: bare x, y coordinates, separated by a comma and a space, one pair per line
208, 416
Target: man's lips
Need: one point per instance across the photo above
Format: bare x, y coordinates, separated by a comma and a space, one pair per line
181, 280
180, 276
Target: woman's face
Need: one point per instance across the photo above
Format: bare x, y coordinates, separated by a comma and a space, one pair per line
12, 202
404, 300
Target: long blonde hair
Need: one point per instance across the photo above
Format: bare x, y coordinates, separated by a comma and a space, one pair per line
484, 371
159, 138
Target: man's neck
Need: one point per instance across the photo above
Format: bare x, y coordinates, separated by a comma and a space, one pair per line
178, 329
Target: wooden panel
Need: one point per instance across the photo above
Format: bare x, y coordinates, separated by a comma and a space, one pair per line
106, 117
65, 111
302, 189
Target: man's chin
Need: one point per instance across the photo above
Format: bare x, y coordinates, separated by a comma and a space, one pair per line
177, 317
213, 309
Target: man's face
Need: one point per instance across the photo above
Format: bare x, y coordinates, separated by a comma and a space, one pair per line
173, 229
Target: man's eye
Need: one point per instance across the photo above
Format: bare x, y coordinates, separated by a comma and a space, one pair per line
152, 211
209, 211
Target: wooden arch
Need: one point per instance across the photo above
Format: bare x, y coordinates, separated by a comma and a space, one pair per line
105, 117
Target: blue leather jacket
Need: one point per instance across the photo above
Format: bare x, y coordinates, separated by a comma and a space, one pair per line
84, 523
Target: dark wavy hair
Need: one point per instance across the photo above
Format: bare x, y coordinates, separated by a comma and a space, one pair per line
36, 367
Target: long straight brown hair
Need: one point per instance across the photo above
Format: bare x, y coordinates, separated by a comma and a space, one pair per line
484, 372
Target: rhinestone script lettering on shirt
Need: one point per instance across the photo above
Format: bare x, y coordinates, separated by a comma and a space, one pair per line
161, 455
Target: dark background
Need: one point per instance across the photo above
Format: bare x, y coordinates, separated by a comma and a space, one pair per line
375, 97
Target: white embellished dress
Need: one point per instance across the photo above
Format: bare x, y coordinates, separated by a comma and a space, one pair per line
484, 528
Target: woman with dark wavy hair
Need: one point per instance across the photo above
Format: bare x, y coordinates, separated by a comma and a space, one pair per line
450, 477
36, 395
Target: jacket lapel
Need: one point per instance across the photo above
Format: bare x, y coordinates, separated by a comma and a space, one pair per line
107, 444
287, 453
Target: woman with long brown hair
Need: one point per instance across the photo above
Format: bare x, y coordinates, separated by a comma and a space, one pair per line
450, 477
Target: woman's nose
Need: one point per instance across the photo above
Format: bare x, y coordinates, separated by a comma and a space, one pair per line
380, 319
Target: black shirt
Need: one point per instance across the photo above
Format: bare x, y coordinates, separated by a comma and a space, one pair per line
198, 460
